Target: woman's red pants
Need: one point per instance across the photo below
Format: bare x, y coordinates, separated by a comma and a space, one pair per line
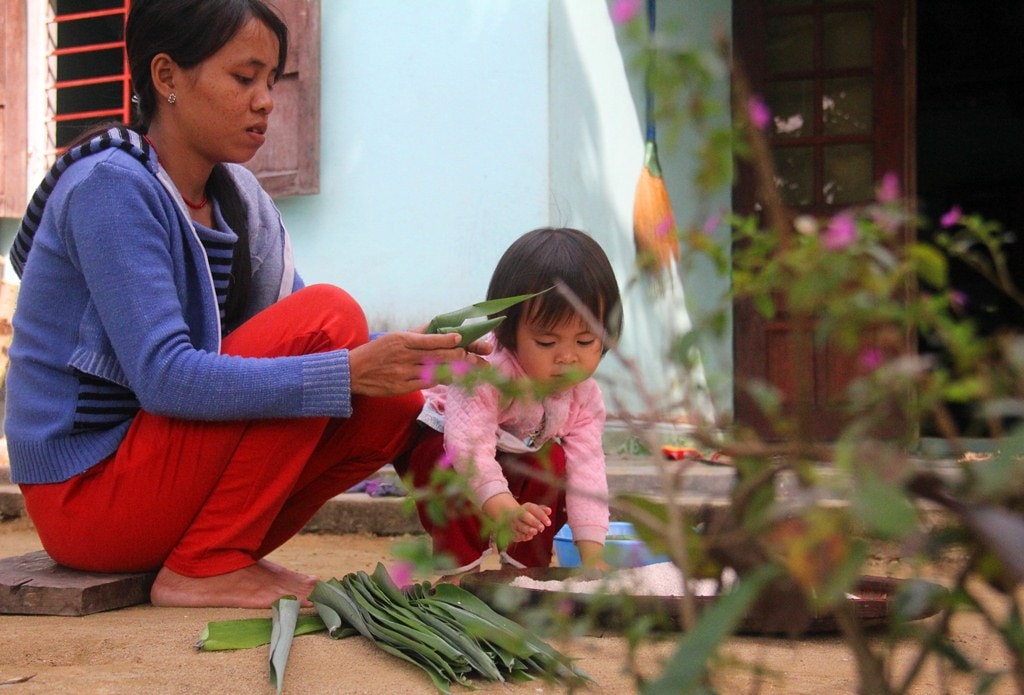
205, 498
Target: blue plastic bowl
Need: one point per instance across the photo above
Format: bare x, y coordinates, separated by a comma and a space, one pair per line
622, 549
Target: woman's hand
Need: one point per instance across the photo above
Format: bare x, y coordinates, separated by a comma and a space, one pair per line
397, 363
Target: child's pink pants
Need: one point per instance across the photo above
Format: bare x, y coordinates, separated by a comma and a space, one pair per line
461, 535
206, 498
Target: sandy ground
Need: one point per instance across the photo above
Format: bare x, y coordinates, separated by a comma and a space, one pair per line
150, 650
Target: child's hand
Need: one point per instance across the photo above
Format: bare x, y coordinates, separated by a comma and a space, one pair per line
480, 347
592, 557
524, 520
531, 520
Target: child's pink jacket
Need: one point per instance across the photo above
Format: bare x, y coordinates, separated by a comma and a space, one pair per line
478, 426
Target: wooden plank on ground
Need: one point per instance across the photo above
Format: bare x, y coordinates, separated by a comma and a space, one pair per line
33, 584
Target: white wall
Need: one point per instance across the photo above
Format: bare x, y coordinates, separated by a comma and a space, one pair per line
597, 125
435, 150
452, 127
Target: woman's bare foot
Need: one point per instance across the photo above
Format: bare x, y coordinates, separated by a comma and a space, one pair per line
256, 586
284, 571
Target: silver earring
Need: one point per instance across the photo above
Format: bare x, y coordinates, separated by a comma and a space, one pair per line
171, 98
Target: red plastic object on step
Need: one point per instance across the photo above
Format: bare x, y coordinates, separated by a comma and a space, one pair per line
678, 453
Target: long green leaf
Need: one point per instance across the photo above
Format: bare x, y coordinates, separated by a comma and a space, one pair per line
246, 633
472, 331
389, 641
409, 621
383, 580
478, 310
457, 638
453, 321
419, 644
335, 597
333, 621
284, 616
688, 663
485, 624
458, 596
471, 648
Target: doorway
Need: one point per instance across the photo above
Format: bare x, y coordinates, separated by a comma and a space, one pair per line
952, 126
834, 74
970, 144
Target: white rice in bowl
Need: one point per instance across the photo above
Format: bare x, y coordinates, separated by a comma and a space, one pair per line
659, 579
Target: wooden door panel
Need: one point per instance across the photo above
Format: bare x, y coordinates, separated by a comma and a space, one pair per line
832, 73
289, 161
13, 110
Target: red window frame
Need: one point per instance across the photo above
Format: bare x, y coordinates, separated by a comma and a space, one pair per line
122, 112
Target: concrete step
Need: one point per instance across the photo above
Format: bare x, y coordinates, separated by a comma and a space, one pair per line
699, 485
359, 512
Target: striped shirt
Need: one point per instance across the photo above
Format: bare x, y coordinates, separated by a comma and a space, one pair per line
103, 404
220, 248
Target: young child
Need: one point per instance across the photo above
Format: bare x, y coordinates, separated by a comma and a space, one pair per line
533, 462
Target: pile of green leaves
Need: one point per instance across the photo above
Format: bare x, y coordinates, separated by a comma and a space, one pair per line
443, 629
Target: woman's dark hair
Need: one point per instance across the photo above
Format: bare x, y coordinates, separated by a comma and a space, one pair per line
544, 258
190, 31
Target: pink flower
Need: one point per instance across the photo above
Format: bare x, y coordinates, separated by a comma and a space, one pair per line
428, 371
461, 368
624, 11
871, 358
840, 233
760, 115
446, 461
885, 219
402, 574
958, 299
952, 217
712, 223
889, 190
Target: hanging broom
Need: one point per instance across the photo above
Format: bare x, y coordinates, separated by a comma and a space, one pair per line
654, 227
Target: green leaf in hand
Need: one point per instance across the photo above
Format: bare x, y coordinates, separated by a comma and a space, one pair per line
455, 321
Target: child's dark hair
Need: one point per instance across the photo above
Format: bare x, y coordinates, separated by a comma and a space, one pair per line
546, 257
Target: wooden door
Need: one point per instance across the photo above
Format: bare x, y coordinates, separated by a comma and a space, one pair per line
834, 75
289, 162
13, 110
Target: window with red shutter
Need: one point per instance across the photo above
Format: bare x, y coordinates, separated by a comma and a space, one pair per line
90, 75
90, 84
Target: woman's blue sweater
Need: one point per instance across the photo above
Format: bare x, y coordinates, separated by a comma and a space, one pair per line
118, 286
